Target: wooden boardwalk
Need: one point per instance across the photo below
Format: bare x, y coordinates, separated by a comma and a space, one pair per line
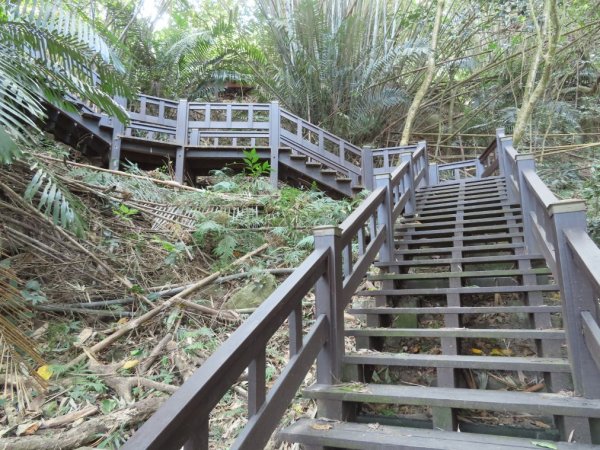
479, 320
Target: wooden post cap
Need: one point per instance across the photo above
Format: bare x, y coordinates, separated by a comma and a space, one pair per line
327, 230
566, 206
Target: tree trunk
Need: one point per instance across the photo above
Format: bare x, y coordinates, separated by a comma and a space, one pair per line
533, 94
430, 70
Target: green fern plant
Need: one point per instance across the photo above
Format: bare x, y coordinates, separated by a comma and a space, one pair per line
253, 165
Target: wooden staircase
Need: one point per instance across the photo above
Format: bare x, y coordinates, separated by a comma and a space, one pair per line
461, 332
164, 131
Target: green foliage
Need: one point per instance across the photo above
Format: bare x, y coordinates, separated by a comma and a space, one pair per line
175, 252
591, 193
52, 200
125, 212
253, 166
33, 292
47, 49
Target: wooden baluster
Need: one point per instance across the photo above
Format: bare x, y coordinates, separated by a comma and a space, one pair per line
367, 168
257, 389
295, 330
228, 116
181, 137
118, 130
274, 141
250, 115
198, 439
161, 111
409, 184
361, 241
425, 162
143, 105
347, 260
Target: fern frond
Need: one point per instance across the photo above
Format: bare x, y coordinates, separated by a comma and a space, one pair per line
54, 202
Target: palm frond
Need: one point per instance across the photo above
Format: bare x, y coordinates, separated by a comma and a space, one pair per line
17, 352
54, 202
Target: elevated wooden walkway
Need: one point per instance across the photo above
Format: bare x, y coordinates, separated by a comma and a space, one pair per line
479, 322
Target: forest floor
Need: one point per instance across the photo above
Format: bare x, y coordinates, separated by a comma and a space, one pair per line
101, 323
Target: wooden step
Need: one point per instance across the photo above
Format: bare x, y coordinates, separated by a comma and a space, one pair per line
464, 184
468, 248
473, 209
437, 190
296, 157
456, 310
434, 216
323, 433
343, 180
465, 274
497, 220
440, 230
511, 363
486, 333
476, 193
541, 404
459, 201
466, 260
481, 237
457, 204
461, 290
312, 164
328, 172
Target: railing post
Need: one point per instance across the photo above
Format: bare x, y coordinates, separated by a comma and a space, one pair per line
500, 152
526, 162
274, 141
410, 207
181, 137
329, 301
577, 296
115, 145
434, 179
367, 168
384, 216
478, 169
502, 142
425, 163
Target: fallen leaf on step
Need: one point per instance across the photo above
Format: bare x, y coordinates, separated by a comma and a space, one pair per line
501, 352
544, 444
476, 351
321, 426
374, 426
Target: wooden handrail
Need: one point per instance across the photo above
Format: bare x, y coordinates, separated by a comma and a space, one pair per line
489, 151
557, 229
335, 271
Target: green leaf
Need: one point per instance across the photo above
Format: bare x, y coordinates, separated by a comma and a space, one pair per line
543, 444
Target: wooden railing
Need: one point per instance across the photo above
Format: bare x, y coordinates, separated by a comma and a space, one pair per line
557, 229
333, 271
197, 125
